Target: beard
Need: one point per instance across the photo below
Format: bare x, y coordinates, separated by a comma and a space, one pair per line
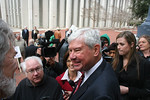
7, 86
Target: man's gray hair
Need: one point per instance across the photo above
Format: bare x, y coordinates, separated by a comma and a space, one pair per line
90, 36
23, 64
6, 37
31, 42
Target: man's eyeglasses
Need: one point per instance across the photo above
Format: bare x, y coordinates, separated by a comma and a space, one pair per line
31, 71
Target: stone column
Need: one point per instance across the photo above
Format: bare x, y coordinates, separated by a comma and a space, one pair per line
24, 13
35, 13
126, 4
17, 13
68, 13
7, 11
115, 13
81, 13
14, 13
3, 9
30, 14
91, 3
11, 12
86, 22
53, 14
98, 15
76, 12
109, 14
45, 13
62, 13
103, 14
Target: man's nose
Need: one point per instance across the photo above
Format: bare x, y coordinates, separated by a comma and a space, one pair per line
35, 72
72, 55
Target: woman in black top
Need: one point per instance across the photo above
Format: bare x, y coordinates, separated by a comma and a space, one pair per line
131, 69
144, 46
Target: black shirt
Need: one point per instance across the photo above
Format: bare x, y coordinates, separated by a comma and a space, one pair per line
47, 89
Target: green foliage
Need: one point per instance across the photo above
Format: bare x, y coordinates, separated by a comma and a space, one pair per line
134, 23
140, 9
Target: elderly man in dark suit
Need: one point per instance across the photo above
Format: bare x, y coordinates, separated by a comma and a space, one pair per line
100, 82
25, 34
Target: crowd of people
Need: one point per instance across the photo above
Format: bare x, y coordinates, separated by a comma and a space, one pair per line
90, 67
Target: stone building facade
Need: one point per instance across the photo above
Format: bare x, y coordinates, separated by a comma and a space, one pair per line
50, 14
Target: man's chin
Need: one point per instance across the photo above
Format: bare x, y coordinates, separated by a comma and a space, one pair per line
8, 86
78, 68
36, 82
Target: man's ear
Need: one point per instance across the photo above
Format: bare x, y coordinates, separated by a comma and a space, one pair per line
96, 50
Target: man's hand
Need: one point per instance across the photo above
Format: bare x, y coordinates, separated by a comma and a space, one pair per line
66, 95
123, 89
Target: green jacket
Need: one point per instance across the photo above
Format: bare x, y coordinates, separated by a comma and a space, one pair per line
51, 39
107, 37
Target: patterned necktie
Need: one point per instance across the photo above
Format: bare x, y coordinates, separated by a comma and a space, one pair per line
79, 83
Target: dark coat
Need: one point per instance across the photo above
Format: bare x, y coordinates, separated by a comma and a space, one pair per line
141, 54
139, 85
53, 71
101, 85
25, 35
34, 35
30, 51
62, 51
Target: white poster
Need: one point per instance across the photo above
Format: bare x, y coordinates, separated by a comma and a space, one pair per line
17, 49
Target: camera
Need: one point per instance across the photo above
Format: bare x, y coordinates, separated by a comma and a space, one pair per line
47, 50
105, 56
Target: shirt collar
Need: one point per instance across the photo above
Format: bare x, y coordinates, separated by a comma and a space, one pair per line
89, 72
66, 77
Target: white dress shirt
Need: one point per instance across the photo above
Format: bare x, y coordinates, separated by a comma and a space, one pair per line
66, 77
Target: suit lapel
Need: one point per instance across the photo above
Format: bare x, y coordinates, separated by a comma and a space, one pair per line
89, 81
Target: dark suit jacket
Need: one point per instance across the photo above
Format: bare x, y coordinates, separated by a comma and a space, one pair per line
25, 35
30, 51
101, 85
34, 35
